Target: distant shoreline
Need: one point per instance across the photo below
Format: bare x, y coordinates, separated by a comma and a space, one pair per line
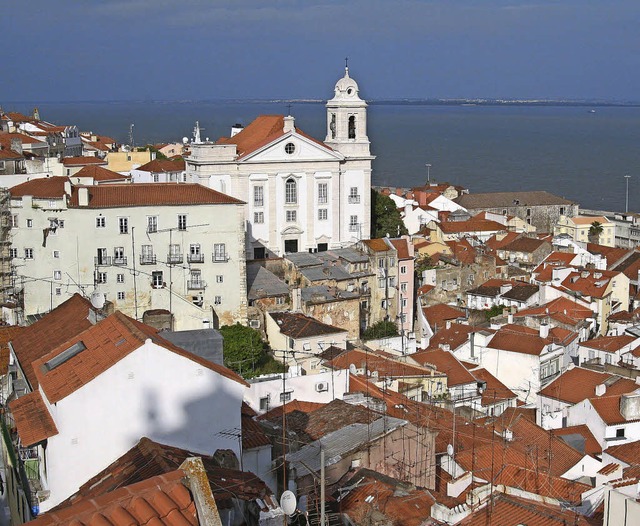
373, 102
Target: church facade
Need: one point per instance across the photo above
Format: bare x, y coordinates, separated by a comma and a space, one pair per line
301, 193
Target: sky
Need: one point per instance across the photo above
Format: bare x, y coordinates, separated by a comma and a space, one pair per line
72, 50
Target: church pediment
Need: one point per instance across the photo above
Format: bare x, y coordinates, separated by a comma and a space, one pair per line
293, 147
291, 230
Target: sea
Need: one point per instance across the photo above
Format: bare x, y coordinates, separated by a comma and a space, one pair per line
581, 153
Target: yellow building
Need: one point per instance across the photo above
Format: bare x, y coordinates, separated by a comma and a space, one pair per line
127, 161
578, 228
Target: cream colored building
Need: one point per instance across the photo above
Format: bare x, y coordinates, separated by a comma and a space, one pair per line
146, 248
302, 194
127, 161
578, 229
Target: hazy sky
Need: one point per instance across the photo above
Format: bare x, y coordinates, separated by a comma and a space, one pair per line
66, 50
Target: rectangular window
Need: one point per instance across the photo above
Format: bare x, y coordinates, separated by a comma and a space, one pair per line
404, 302
322, 214
118, 256
323, 195
219, 252
120, 278
403, 287
354, 198
28, 253
403, 269
57, 275
285, 397
258, 196
291, 216
120, 295
258, 217
123, 224
219, 278
101, 257
291, 192
264, 403
152, 224
29, 223
13, 252
156, 279
156, 178
101, 222
195, 276
101, 277
14, 221
353, 223
182, 221
217, 300
620, 432
58, 292
60, 223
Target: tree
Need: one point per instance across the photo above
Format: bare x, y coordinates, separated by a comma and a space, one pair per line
385, 217
424, 262
382, 329
595, 230
246, 353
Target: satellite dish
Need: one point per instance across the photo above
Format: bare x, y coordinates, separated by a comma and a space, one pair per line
97, 299
288, 502
352, 369
449, 450
185, 140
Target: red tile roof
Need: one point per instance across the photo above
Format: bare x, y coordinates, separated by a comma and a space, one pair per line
252, 434
455, 336
519, 339
612, 254
577, 384
377, 244
262, 131
377, 362
32, 419
289, 407
159, 500
402, 248
8, 154
445, 362
151, 194
496, 242
628, 452
82, 161
55, 328
44, 188
590, 285
7, 333
471, 225
569, 311
297, 325
495, 391
591, 445
98, 173
163, 165
438, 315
609, 343
608, 407
524, 244
463, 251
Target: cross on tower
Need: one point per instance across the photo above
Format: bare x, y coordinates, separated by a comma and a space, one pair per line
346, 62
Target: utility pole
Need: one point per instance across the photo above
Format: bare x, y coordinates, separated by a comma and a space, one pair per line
428, 165
626, 202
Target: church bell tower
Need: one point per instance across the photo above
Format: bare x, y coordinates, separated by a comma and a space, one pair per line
347, 119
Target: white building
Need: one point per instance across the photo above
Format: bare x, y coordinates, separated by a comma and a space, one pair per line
302, 193
102, 390
174, 248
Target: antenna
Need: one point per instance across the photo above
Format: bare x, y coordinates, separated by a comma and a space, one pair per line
131, 142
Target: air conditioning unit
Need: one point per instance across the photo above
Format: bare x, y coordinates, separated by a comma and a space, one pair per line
321, 387
254, 324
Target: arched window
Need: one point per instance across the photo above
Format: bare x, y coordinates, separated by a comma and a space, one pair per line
352, 127
332, 125
290, 192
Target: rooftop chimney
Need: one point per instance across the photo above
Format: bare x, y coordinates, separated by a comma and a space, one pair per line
236, 129
83, 196
289, 124
630, 406
544, 330
601, 389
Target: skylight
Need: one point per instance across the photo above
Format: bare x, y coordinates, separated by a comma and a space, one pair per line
65, 356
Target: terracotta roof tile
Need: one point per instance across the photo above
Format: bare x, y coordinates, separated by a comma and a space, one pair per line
591, 445
7, 333
438, 315
98, 173
471, 225
297, 325
162, 500
58, 326
275, 414
163, 165
47, 187
577, 384
376, 362
525, 244
402, 248
82, 161
573, 311
609, 343
252, 434
455, 336
495, 391
32, 418
447, 363
151, 194
628, 452
608, 407
519, 339
377, 244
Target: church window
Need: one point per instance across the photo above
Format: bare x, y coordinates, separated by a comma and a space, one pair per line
258, 196
353, 223
332, 126
258, 217
352, 127
322, 214
322, 193
291, 192
291, 216
289, 148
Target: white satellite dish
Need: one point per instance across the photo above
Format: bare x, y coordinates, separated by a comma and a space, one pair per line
185, 140
288, 502
97, 299
352, 369
449, 450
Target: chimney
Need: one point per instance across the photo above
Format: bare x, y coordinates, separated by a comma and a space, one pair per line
544, 330
236, 129
289, 124
83, 196
601, 389
297, 299
67, 187
510, 318
630, 406
448, 324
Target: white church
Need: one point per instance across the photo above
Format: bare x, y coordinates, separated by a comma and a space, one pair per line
302, 194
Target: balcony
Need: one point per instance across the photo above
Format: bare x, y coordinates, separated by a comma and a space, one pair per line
174, 259
120, 261
220, 258
148, 259
353, 228
354, 199
103, 261
195, 258
197, 284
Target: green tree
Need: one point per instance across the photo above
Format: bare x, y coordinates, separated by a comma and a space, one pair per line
246, 353
595, 230
424, 262
382, 329
385, 217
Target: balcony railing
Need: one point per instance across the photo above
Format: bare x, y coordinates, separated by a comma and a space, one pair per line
353, 228
120, 261
148, 259
103, 261
173, 259
195, 258
220, 258
354, 199
197, 284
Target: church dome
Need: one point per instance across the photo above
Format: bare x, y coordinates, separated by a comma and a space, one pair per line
346, 87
